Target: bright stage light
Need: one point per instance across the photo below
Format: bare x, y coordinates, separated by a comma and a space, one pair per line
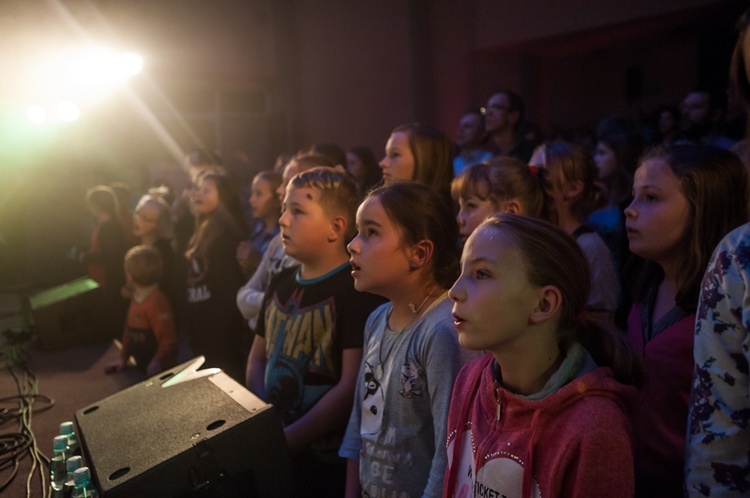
101, 69
132, 64
36, 114
64, 111
68, 111
65, 83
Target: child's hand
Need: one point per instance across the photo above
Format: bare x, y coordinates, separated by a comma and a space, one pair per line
248, 257
115, 367
126, 291
154, 367
243, 251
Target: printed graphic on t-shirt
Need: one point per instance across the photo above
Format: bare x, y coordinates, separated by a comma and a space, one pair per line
196, 289
412, 379
465, 469
373, 402
298, 345
384, 465
387, 374
499, 477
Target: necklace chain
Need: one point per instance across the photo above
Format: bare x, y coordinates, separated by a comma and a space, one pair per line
415, 310
379, 367
429, 293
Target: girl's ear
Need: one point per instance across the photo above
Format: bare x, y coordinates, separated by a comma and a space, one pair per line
421, 254
338, 229
549, 302
573, 189
512, 206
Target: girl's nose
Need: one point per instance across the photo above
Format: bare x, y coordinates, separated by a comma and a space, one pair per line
456, 292
353, 246
630, 212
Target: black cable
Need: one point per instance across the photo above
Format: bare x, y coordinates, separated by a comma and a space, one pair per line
11, 477
17, 445
6, 414
12, 447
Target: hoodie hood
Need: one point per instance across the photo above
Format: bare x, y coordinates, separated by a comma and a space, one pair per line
577, 377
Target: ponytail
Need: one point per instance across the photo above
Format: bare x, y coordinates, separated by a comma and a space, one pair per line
505, 178
609, 347
552, 257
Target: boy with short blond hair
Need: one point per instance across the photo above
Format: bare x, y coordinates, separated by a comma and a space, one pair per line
149, 335
308, 345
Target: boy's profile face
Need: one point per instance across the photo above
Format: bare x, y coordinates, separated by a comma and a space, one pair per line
305, 226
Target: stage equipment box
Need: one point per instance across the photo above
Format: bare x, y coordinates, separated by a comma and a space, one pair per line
68, 315
185, 434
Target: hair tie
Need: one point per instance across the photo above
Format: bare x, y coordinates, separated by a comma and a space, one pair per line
534, 170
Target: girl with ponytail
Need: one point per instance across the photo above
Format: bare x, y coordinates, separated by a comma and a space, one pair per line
504, 184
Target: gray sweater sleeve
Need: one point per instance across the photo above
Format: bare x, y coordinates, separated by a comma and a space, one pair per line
441, 363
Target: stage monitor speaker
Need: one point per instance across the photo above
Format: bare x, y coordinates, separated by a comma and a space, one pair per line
68, 315
185, 433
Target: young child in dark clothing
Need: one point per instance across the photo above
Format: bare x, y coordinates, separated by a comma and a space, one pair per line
214, 324
104, 257
149, 334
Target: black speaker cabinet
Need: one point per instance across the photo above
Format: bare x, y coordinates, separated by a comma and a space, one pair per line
68, 315
185, 433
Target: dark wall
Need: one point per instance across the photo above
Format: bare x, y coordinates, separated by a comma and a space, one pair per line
255, 78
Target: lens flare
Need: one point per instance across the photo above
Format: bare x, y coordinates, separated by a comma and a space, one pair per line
36, 114
68, 111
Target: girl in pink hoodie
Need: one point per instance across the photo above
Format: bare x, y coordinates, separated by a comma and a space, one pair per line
545, 413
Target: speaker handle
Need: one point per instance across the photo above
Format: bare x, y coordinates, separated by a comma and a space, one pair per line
189, 371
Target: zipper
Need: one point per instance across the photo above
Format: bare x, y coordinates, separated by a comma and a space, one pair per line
499, 407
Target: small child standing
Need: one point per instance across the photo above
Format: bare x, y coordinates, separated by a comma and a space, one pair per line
266, 208
149, 334
308, 343
105, 255
545, 414
406, 250
152, 225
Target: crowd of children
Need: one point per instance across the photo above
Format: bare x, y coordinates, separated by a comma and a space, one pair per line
533, 326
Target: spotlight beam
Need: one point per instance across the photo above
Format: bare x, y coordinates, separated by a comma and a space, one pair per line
168, 141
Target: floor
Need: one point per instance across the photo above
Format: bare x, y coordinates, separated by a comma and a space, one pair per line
72, 378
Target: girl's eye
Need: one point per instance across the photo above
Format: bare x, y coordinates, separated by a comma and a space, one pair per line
481, 274
370, 232
471, 206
